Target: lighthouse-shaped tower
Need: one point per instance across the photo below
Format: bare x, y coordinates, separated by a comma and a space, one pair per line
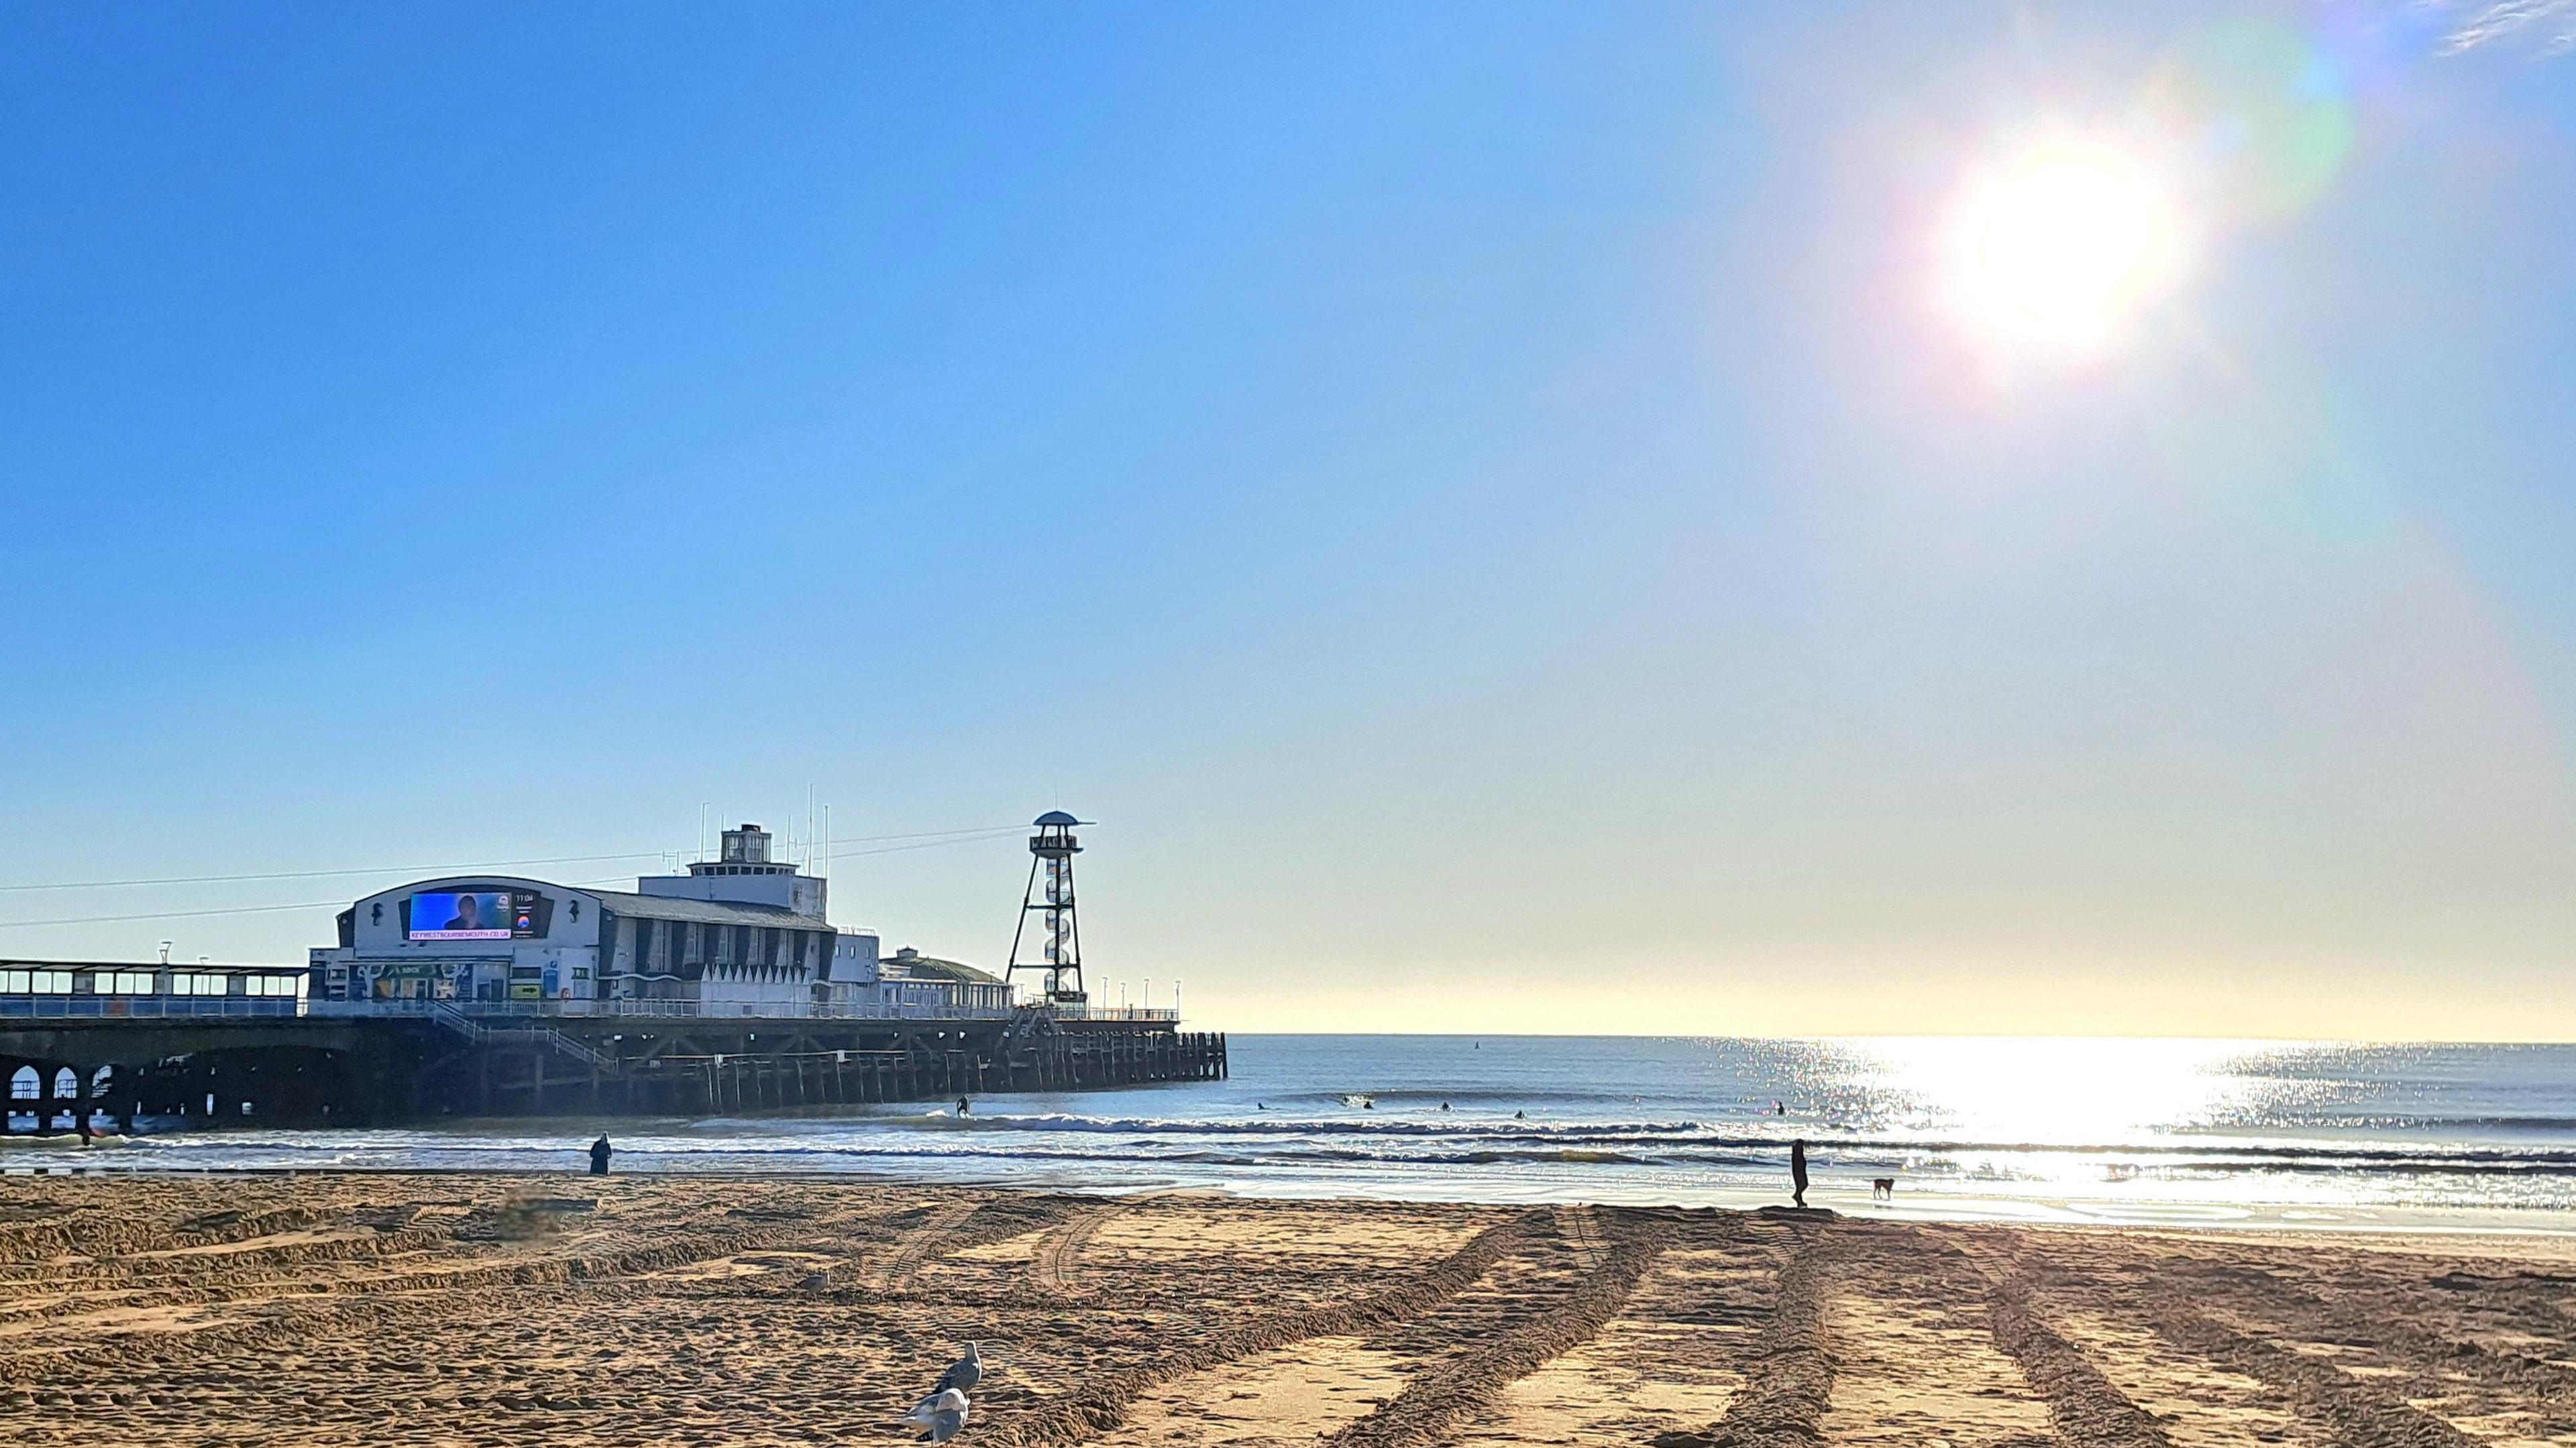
1051, 852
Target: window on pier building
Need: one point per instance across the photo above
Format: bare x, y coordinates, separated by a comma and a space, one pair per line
26, 1085
123, 982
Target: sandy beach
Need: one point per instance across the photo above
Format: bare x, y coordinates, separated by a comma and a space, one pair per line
566, 1310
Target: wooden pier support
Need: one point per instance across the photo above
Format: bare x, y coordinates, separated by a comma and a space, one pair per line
315, 1071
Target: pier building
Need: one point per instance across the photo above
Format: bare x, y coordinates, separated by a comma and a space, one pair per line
744, 934
725, 987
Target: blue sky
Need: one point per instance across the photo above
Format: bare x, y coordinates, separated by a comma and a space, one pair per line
1471, 497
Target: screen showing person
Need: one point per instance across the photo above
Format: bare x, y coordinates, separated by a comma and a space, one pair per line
461, 915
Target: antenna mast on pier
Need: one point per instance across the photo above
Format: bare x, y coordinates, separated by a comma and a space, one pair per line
1051, 852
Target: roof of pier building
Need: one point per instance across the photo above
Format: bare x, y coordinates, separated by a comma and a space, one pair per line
628, 903
377, 910
705, 912
930, 967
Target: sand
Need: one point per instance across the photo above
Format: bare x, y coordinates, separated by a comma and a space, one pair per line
399, 1309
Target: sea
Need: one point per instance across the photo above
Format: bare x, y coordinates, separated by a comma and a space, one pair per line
2267, 1134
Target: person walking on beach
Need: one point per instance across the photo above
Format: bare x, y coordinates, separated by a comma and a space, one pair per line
1798, 1170
599, 1155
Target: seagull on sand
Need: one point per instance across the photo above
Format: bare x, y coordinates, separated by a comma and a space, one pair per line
942, 1413
966, 1374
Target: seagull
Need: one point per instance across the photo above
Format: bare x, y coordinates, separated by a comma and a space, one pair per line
943, 1413
965, 1374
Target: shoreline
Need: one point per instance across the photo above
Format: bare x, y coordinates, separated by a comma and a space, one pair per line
1920, 1207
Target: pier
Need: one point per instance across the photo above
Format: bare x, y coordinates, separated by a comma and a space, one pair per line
726, 988
239, 1059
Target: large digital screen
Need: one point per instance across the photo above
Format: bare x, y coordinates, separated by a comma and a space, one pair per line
474, 914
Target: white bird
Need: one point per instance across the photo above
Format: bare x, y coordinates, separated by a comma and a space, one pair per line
943, 1413
966, 1374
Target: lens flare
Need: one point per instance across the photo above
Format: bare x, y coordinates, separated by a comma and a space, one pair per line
2054, 252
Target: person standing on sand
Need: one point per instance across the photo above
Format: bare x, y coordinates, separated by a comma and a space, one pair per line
1798, 1170
599, 1155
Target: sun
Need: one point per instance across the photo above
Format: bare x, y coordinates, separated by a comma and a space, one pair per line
2057, 250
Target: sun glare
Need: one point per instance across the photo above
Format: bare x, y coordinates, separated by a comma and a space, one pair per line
2056, 251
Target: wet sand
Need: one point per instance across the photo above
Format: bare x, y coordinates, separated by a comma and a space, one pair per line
565, 1310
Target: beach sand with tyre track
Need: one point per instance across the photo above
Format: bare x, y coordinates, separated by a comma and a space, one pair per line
404, 1309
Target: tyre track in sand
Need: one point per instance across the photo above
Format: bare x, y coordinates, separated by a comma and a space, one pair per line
2354, 1410
1053, 1271
2384, 1322
408, 1298
961, 1227
2360, 1412
24, 1246
908, 1252
2087, 1409
1615, 1255
1789, 1382
1099, 1406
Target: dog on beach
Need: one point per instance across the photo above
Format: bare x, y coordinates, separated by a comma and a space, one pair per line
1882, 1189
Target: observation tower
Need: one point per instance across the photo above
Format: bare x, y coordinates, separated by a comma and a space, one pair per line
1051, 852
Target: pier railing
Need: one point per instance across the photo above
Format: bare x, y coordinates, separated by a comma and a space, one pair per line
1117, 1013
57, 1007
490, 1012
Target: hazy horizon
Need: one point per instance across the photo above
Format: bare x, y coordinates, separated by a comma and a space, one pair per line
1515, 519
